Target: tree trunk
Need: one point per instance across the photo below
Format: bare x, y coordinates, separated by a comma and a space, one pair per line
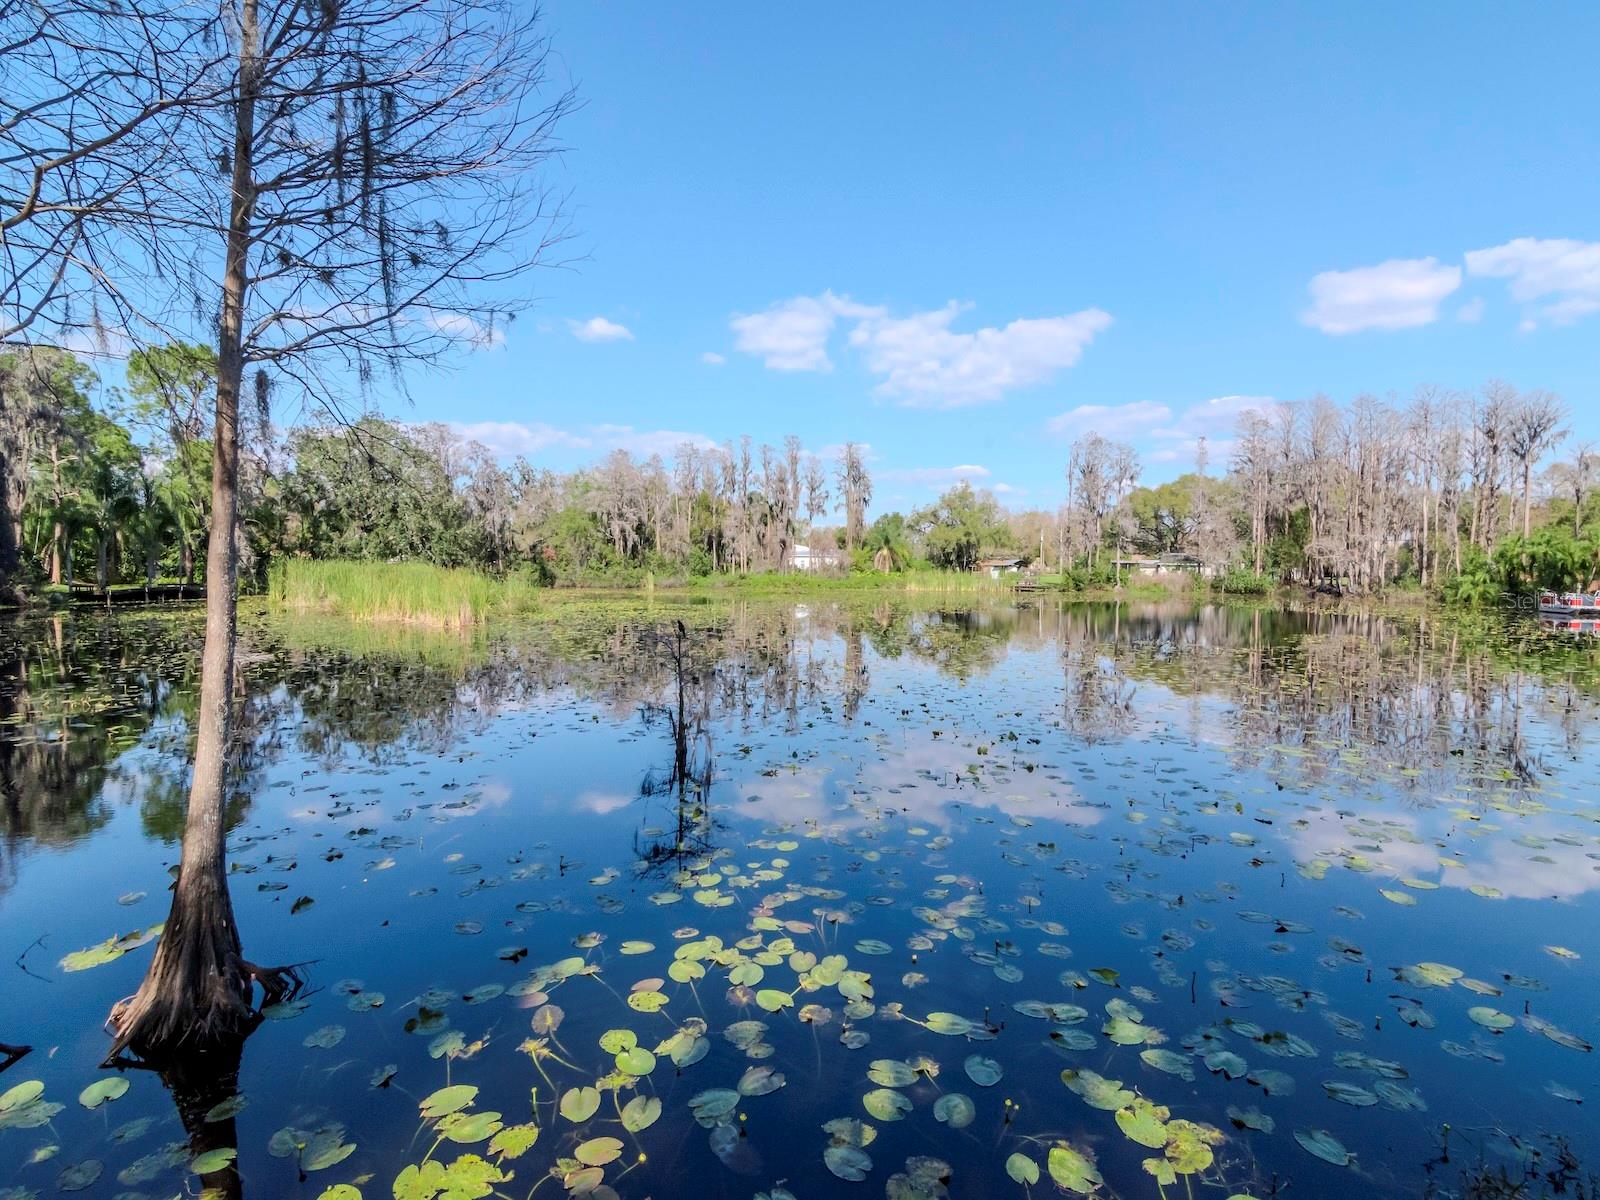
1422, 556
10, 536
199, 989
55, 552
102, 562
1527, 489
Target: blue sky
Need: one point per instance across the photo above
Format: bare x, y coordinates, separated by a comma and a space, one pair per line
963, 234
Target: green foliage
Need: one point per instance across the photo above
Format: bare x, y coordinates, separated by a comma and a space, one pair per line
410, 593
1239, 582
1164, 515
1552, 557
889, 539
960, 526
374, 491
1475, 585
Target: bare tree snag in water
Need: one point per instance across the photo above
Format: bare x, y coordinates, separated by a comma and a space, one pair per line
10, 1055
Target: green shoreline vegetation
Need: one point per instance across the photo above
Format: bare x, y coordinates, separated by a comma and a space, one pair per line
408, 593
421, 594
117, 499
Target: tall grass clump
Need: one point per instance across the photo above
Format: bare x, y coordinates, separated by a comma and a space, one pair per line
410, 593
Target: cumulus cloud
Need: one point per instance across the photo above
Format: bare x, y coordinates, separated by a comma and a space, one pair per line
1558, 279
1220, 414
598, 329
921, 359
1399, 294
1110, 420
712, 359
645, 442
792, 335
1218, 451
926, 362
509, 439
1162, 435
467, 329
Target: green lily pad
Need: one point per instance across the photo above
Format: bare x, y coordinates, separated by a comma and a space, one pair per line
579, 1104
213, 1160
1072, 1170
886, 1104
80, 1175
597, 1152
985, 1072
112, 1087
849, 1163
640, 1113
1324, 1145
955, 1109
448, 1100
1022, 1169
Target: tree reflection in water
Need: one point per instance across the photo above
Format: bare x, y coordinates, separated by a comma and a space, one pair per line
95, 708
95, 714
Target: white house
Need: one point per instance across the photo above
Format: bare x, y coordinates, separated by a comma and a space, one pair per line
808, 558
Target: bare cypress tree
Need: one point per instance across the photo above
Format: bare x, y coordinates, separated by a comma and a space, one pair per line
855, 488
1535, 428
331, 191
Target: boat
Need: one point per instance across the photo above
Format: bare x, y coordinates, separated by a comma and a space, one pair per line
1572, 605
1589, 625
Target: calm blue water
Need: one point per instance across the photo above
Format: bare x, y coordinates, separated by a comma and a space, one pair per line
1250, 848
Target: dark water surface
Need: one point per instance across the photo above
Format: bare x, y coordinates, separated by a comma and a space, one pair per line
1273, 888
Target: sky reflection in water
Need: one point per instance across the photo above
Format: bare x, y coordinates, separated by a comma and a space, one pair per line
1229, 835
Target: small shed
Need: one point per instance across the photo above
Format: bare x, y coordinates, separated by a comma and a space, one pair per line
1000, 565
1171, 563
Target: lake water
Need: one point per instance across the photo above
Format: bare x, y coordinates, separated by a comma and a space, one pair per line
846, 887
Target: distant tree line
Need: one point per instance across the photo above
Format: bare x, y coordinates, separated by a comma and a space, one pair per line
1449, 492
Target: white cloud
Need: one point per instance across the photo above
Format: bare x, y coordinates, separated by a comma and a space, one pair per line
926, 362
1471, 311
1220, 414
1218, 451
466, 328
1161, 434
792, 335
1562, 271
712, 359
1110, 420
935, 476
645, 442
508, 439
832, 451
598, 329
1399, 294
919, 358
